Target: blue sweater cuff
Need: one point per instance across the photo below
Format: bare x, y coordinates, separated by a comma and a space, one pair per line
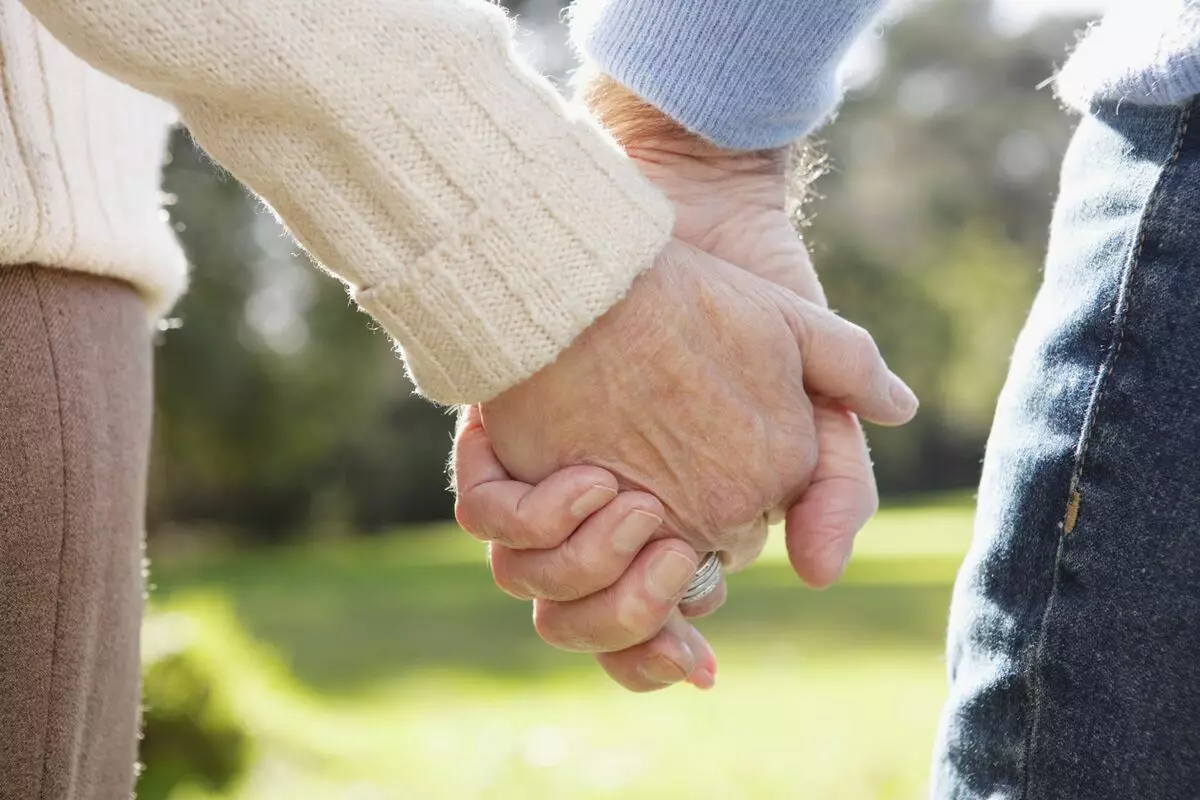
746, 74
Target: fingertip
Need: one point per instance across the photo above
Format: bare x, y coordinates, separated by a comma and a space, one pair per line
500, 560
592, 499
674, 662
550, 512
892, 405
703, 679
651, 666
705, 657
816, 577
585, 475
468, 417
819, 548
820, 570
584, 489
903, 398
645, 503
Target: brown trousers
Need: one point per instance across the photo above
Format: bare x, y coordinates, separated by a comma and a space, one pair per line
75, 405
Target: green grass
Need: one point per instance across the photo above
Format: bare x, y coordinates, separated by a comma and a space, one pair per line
391, 668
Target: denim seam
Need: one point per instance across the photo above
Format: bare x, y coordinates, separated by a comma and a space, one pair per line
1108, 364
1074, 499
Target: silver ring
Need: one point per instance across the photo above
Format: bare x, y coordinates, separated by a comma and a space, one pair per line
706, 579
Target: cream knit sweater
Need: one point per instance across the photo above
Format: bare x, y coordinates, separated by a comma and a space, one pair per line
401, 141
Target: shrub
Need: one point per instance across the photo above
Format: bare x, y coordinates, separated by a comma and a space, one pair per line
190, 734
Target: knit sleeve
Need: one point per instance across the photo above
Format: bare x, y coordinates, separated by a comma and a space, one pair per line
745, 74
412, 154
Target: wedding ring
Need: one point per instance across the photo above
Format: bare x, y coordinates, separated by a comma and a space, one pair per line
706, 579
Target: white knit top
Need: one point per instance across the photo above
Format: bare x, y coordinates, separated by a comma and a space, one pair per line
401, 141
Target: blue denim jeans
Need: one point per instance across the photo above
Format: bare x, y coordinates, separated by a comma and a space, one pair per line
1074, 644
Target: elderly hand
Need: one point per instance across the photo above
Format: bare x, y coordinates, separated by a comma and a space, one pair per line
690, 321
594, 590
695, 388
732, 205
583, 550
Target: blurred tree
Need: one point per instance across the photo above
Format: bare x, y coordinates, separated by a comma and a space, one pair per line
277, 401
933, 222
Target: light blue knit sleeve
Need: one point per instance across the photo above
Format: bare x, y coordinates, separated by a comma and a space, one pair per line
746, 74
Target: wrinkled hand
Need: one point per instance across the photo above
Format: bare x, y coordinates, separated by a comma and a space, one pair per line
694, 388
592, 597
732, 206
585, 552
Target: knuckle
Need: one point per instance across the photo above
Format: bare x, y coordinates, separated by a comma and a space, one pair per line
732, 503
863, 352
641, 501
533, 531
465, 514
801, 465
556, 580
501, 562
638, 617
744, 546
586, 475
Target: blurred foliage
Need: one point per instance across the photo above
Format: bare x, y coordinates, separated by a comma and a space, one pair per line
389, 668
279, 408
282, 413
190, 734
934, 218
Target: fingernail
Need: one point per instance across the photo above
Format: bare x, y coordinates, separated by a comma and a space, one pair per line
903, 398
592, 501
669, 574
703, 679
660, 669
633, 532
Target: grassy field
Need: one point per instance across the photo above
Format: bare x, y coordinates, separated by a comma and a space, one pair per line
391, 668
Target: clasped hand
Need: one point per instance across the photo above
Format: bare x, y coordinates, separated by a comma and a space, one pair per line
717, 398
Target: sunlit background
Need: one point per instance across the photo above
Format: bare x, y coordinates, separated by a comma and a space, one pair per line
318, 629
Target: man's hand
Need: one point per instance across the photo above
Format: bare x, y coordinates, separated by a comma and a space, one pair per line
695, 389
734, 205
591, 594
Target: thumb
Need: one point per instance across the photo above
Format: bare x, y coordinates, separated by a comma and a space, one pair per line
822, 524
843, 363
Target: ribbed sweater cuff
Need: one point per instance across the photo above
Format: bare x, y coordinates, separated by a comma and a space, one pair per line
469, 329
746, 74
412, 154
557, 224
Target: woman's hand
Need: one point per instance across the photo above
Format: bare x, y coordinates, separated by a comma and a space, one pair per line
581, 551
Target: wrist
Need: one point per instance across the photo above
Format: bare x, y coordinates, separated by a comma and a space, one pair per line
647, 134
